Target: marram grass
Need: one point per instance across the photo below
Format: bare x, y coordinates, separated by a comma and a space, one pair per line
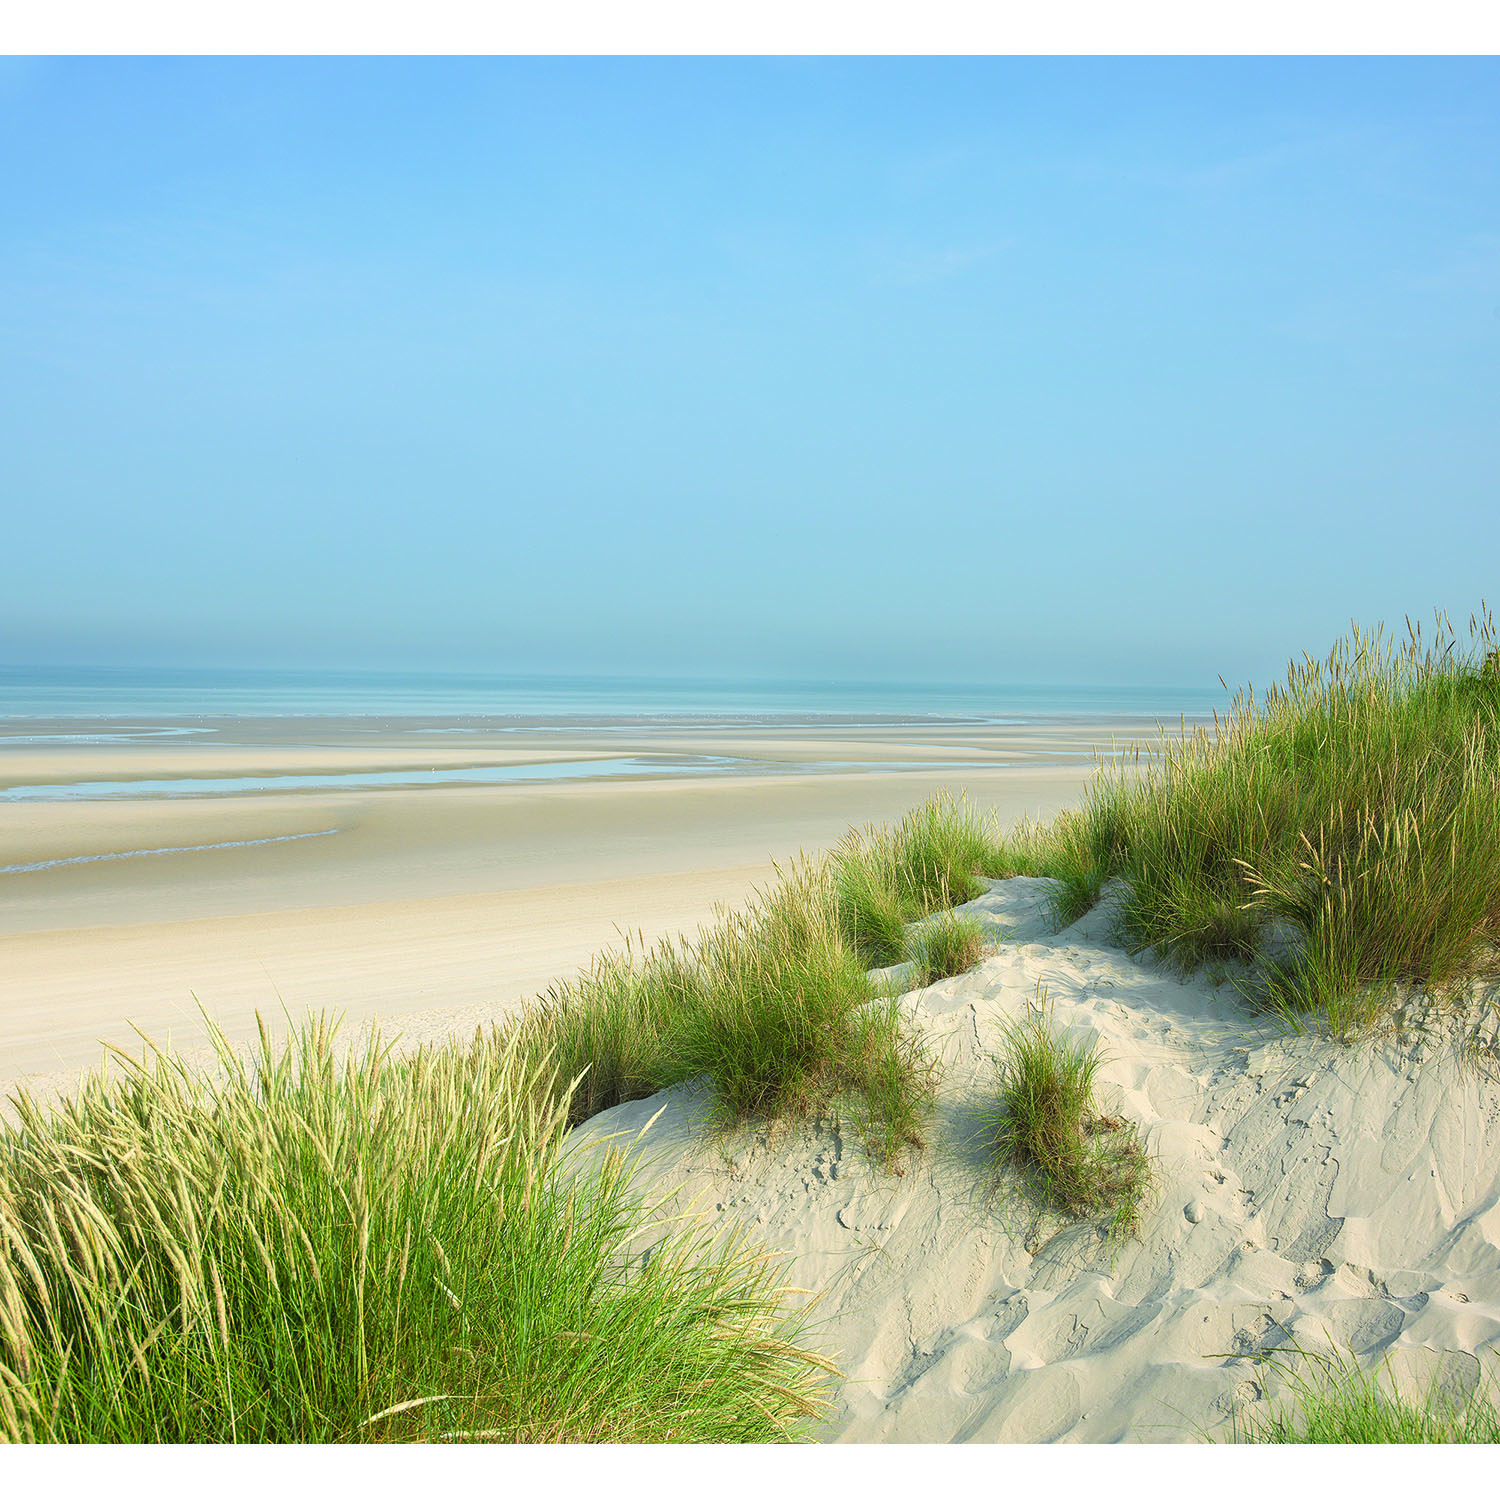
305, 1249
945, 945
887, 877
772, 1006
1340, 835
1045, 1122
1331, 1399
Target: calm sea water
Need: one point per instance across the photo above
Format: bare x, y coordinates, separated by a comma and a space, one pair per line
31, 693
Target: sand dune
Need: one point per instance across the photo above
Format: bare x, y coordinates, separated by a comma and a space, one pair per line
1307, 1190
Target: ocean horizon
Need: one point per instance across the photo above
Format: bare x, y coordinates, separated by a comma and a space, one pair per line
124, 693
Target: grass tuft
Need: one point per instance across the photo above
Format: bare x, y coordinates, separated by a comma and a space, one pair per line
306, 1249
1342, 1403
773, 1006
873, 911
1356, 807
946, 945
1047, 1123
887, 877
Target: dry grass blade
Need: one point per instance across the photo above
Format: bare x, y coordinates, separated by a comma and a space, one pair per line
402, 1406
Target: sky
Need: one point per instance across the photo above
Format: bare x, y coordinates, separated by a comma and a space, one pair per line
992, 370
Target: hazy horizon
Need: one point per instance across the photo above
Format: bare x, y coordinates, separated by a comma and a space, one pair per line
982, 371
131, 692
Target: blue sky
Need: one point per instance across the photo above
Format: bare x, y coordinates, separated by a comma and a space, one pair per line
992, 370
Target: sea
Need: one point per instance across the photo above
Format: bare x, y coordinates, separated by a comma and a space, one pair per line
133, 699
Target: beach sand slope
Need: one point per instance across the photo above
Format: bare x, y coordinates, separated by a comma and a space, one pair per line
1306, 1190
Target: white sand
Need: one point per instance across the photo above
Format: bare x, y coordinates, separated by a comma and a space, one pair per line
1330, 1194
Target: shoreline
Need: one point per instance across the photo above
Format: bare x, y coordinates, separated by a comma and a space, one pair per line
447, 904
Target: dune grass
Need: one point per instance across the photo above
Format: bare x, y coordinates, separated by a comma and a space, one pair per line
887, 877
872, 912
1341, 1403
1046, 1123
946, 945
772, 1006
1352, 814
378, 1249
788, 1023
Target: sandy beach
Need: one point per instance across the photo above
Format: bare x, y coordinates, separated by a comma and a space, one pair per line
439, 904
